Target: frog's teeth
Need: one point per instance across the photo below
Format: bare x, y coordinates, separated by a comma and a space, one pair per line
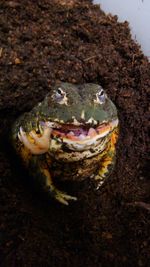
114, 123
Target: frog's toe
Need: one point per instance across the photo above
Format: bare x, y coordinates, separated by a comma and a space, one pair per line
99, 185
42, 141
63, 197
33, 147
100, 180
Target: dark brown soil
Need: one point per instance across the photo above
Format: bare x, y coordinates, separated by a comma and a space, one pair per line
43, 41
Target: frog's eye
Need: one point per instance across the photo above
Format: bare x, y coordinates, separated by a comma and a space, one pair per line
101, 96
60, 96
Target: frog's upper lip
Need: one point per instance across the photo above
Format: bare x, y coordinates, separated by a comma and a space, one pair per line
81, 134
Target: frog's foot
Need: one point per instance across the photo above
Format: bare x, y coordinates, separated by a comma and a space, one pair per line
63, 197
37, 145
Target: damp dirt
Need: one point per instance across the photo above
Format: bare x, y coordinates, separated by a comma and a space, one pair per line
73, 41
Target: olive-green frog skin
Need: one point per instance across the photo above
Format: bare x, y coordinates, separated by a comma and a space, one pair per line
71, 134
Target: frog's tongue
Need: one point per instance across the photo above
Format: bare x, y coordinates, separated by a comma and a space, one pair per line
77, 134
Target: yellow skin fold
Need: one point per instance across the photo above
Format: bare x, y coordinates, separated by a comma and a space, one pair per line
108, 159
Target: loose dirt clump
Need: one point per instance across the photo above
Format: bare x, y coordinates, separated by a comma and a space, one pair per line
44, 41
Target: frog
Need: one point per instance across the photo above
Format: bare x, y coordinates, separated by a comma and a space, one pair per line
71, 134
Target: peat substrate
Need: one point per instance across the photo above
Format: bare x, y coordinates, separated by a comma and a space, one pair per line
43, 42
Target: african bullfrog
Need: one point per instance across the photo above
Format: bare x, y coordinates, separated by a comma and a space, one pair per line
71, 134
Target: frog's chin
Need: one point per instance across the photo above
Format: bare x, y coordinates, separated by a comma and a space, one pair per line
81, 137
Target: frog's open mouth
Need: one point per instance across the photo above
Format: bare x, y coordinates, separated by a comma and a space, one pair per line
77, 138
80, 134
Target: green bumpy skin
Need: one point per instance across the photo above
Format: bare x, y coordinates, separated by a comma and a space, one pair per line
71, 134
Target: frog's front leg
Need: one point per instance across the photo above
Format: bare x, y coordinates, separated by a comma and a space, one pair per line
31, 152
108, 160
50, 187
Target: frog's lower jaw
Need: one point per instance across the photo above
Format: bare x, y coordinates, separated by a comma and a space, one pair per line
69, 150
70, 154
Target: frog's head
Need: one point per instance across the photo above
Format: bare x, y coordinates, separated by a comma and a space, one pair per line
80, 115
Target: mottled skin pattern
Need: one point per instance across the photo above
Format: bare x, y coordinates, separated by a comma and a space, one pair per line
70, 135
